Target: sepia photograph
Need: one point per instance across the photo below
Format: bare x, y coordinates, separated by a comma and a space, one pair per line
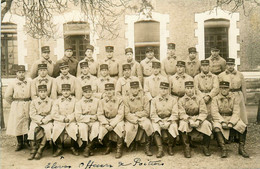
124, 84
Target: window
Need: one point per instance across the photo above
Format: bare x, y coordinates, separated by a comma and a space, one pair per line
76, 35
216, 34
9, 54
147, 33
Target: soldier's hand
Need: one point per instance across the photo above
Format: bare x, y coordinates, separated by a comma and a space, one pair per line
197, 124
167, 125
224, 126
66, 120
191, 122
161, 124
44, 121
230, 125
206, 99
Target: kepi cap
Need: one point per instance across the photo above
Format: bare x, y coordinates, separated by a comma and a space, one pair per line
109, 86
45, 49
64, 64
103, 66
164, 85
65, 86
134, 84
86, 88
230, 61
189, 84
90, 47
109, 48
192, 49
224, 84
171, 45
214, 48
149, 49
126, 66
42, 66
156, 65
21, 68
42, 88
83, 64
180, 63
204, 62
128, 50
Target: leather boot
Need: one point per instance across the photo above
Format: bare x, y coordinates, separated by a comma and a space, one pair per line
26, 142
132, 146
206, 142
59, 147
74, 148
41, 148
158, 141
192, 145
186, 144
119, 147
108, 147
170, 144
222, 145
20, 143
242, 141
33, 150
88, 149
148, 146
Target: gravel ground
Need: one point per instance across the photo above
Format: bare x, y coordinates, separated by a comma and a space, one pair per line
136, 159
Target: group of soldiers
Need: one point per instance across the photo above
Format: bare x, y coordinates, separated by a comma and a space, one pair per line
128, 103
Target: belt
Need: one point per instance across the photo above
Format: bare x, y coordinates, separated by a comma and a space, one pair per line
114, 75
164, 116
146, 75
205, 91
235, 90
226, 114
94, 74
193, 113
22, 99
59, 94
176, 94
217, 73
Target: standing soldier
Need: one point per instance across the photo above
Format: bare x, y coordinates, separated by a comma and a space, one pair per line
42, 79
123, 83
216, 63
111, 118
206, 85
18, 94
225, 113
138, 126
64, 121
72, 62
169, 63
146, 64
192, 63
164, 116
86, 117
113, 64
178, 80
193, 115
65, 78
44, 60
92, 64
152, 83
103, 79
41, 124
237, 86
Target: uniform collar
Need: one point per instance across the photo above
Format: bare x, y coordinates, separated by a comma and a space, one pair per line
19, 82
87, 76
166, 98
149, 60
172, 57
66, 59
45, 60
91, 59
68, 98
193, 97
180, 76
214, 57
65, 76
137, 97
205, 75
112, 59
234, 72
112, 99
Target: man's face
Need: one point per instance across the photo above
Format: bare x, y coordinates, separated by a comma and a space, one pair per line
87, 94
20, 75
224, 91
149, 54
68, 53
46, 55
164, 91
104, 72
180, 69
171, 52
110, 92
64, 70
156, 71
127, 72
205, 68
129, 56
84, 70
42, 94
189, 90
230, 67
134, 90
192, 55
215, 52
89, 53
42, 72
65, 93
110, 55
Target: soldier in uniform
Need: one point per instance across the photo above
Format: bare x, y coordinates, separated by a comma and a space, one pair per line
102, 80
111, 118
164, 116
72, 62
86, 117
206, 85
42, 79
146, 64
152, 83
113, 64
169, 63
225, 113
193, 115
237, 86
178, 80
92, 64
64, 124
138, 126
192, 63
44, 60
216, 63
41, 124
136, 69
18, 94
123, 83
65, 78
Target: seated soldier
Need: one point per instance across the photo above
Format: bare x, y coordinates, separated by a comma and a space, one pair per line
225, 113
138, 126
41, 122
193, 114
64, 121
164, 116
111, 118
86, 116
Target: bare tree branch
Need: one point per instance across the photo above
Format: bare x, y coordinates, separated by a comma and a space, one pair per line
6, 8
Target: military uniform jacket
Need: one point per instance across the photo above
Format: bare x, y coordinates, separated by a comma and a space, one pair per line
41, 81
192, 67
34, 69
216, 64
87, 80
146, 66
92, 64
123, 85
152, 85
178, 83
169, 66
73, 63
136, 69
39, 110
113, 67
68, 79
101, 81
18, 94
